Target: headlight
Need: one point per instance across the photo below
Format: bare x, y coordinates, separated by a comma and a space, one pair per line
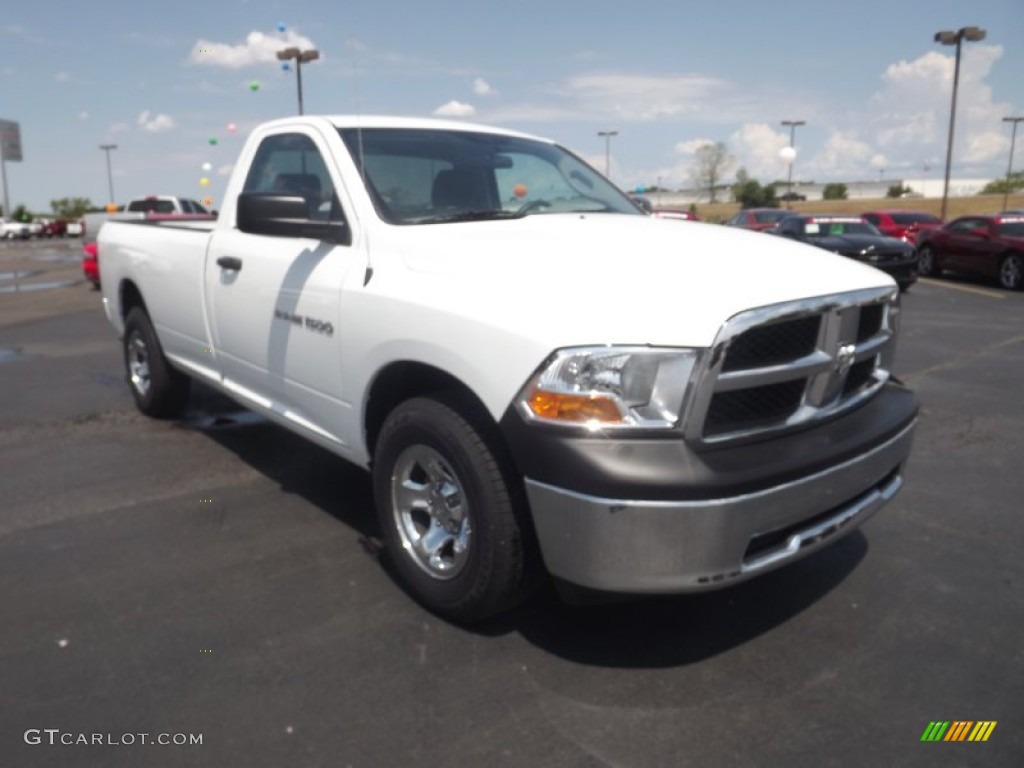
610, 387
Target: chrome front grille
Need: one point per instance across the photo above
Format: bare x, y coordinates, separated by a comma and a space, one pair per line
784, 366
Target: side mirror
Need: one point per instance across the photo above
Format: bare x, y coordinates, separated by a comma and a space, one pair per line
269, 213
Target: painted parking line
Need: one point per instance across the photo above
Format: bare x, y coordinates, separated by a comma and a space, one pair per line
964, 288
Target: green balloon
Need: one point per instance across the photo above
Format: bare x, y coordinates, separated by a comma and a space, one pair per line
213, 139
254, 85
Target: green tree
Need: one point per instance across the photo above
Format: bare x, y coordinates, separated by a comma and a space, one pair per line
71, 207
21, 214
749, 193
898, 190
711, 163
834, 191
1002, 186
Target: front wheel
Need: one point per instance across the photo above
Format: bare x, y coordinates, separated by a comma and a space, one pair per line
158, 389
926, 262
1011, 272
449, 509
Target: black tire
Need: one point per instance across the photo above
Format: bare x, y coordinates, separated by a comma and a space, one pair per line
905, 285
926, 262
1011, 272
158, 389
458, 491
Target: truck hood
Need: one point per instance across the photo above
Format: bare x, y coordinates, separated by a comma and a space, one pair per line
612, 278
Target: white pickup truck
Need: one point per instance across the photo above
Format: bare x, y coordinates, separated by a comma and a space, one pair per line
538, 375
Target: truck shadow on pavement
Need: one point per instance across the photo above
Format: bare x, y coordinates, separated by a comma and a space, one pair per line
645, 632
677, 630
298, 466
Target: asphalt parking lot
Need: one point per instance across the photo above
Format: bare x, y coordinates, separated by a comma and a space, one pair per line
208, 577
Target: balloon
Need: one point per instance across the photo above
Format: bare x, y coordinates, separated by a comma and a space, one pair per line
204, 182
207, 201
232, 127
213, 140
519, 190
254, 85
285, 67
640, 189
207, 166
111, 207
788, 154
281, 26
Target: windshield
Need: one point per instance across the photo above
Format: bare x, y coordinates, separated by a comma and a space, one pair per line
833, 227
915, 218
429, 176
1011, 229
764, 217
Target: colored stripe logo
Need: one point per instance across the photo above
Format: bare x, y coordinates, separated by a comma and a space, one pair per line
958, 730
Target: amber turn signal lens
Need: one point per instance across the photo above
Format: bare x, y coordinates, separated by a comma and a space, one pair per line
574, 408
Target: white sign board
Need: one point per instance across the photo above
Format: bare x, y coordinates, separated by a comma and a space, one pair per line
10, 141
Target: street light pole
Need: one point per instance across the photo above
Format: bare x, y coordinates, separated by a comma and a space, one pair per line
792, 145
948, 37
300, 57
608, 150
1009, 165
110, 176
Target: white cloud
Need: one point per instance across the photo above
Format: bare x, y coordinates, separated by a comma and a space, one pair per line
155, 123
911, 111
879, 161
455, 109
756, 146
62, 77
482, 88
690, 147
644, 97
843, 155
258, 48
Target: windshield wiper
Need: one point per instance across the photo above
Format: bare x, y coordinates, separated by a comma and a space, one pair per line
446, 218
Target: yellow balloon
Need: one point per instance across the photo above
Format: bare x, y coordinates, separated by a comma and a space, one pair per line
204, 182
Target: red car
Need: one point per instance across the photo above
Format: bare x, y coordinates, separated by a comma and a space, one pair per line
758, 219
91, 264
903, 225
989, 246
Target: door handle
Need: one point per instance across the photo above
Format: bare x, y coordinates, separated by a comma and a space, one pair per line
230, 262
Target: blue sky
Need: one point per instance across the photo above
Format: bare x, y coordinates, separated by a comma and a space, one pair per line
867, 78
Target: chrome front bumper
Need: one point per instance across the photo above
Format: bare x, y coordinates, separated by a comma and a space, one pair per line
637, 546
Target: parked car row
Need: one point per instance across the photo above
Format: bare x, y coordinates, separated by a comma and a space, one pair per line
906, 244
12, 230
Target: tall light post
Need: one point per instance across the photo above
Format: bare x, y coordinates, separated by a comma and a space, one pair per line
1009, 165
948, 37
300, 57
110, 176
792, 145
608, 150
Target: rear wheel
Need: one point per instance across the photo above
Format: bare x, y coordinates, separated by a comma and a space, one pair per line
158, 389
926, 262
1011, 271
449, 509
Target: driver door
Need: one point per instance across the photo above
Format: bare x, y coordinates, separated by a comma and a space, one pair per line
275, 319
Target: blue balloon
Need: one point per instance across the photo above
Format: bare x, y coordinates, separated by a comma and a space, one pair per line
281, 26
640, 189
285, 67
